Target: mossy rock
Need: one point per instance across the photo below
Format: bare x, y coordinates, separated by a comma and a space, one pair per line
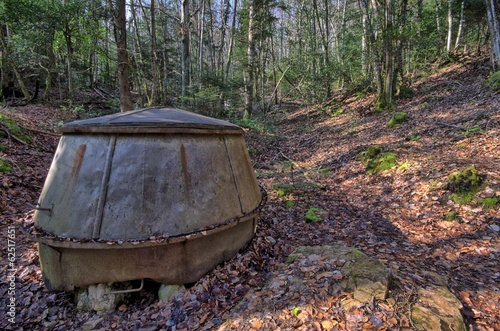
369, 154
314, 215
5, 166
437, 309
465, 181
365, 278
493, 83
14, 128
382, 162
397, 119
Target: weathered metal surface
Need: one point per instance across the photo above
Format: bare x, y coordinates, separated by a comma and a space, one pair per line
107, 184
175, 263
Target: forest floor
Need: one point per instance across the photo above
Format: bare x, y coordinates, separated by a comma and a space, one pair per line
307, 157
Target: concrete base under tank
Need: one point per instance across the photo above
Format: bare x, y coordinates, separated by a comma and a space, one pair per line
179, 262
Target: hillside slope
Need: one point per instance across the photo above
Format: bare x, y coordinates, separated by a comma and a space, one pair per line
308, 157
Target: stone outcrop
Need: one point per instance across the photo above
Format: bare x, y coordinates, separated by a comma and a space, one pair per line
437, 309
346, 285
366, 278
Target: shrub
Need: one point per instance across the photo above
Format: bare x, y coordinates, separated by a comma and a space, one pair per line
5, 166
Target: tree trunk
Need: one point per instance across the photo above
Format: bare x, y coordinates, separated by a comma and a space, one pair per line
231, 43
251, 60
438, 19
450, 27
137, 60
364, 47
387, 97
200, 42
120, 28
494, 26
185, 57
460, 26
155, 81
50, 66
69, 57
13, 65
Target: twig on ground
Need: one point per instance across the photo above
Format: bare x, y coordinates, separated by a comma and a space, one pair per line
11, 135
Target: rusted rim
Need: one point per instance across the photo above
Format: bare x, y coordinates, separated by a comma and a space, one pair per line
50, 239
153, 120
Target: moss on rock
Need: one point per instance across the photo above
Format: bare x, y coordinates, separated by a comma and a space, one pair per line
466, 180
437, 309
397, 119
382, 162
464, 185
369, 154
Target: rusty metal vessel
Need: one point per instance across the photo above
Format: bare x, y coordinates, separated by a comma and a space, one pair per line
157, 193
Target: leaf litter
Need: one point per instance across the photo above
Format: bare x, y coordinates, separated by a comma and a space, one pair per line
396, 216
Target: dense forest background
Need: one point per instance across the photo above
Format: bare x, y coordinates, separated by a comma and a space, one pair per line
223, 56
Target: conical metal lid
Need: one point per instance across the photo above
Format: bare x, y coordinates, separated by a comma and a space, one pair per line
153, 120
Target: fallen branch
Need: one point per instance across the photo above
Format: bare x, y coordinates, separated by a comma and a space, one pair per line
43, 132
11, 135
99, 92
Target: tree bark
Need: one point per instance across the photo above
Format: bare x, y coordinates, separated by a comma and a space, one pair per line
200, 42
231, 43
120, 29
185, 56
389, 81
494, 26
5, 46
460, 26
69, 57
155, 81
251, 60
450, 27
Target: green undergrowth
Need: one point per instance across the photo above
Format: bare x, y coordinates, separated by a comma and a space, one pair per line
14, 128
370, 153
490, 203
377, 161
281, 190
256, 124
383, 161
5, 166
464, 185
493, 82
314, 215
451, 216
397, 119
